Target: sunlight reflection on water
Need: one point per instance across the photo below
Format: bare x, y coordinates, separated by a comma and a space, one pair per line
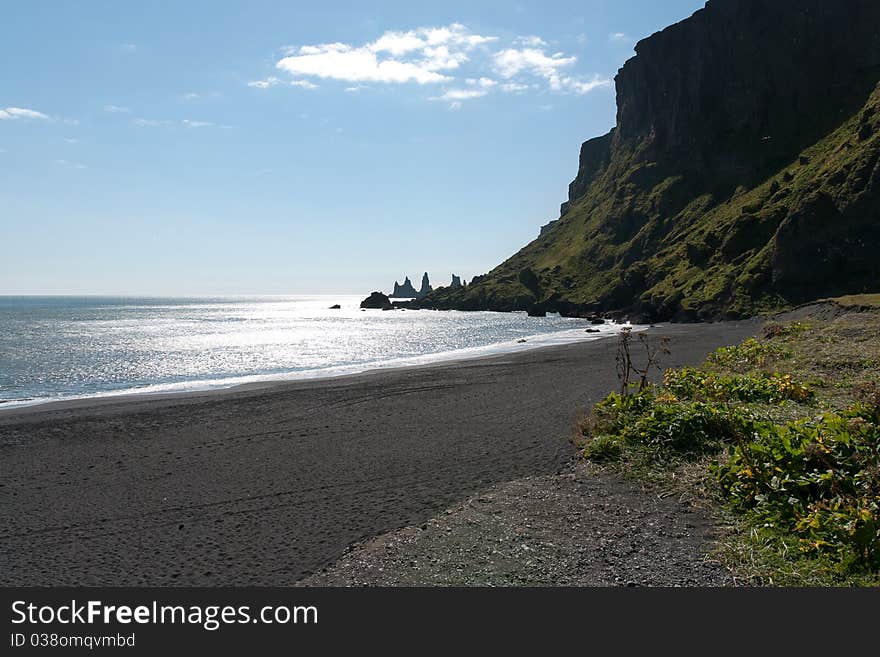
53, 347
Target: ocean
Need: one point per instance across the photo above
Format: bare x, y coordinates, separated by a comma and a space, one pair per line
54, 348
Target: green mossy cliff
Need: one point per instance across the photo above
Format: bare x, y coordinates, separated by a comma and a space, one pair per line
743, 174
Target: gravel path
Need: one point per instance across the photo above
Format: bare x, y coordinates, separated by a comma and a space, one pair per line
575, 528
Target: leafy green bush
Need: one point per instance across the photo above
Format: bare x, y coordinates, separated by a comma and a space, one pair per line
759, 387
686, 428
818, 479
749, 354
614, 412
792, 329
603, 448
664, 424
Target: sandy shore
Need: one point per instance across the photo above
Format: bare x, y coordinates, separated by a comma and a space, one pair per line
267, 484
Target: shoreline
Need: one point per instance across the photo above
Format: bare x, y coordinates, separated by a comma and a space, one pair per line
267, 486
267, 381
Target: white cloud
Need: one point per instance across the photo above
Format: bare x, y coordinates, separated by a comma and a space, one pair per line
484, 82
150, 123
164, 123
531, 41
68, 163
512, 61
422, 56
71, 141
618, 36
461, 94
11, 113
272, 81
116, 109
583, 86
467, 64
514, 87
536, 62
455, 96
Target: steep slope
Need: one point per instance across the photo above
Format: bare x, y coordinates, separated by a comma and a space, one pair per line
742, 174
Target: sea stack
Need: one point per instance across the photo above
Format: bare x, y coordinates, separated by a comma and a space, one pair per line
456, 281
426, 288
405, 291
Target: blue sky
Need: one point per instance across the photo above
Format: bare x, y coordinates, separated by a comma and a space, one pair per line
185, 148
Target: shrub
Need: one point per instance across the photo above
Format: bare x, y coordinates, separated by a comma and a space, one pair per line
603, 448
686, 428
749, 354
818, 479
760, 387
792, 329
665, 424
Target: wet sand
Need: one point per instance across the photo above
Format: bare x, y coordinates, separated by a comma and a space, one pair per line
265, 484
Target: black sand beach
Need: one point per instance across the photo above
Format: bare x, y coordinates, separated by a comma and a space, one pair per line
265, 485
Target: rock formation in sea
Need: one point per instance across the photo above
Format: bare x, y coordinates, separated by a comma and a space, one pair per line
405, 291
426, 288
377, 300
743, 174
456, 281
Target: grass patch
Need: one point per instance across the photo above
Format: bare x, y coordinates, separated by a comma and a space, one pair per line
859, 301
781, 435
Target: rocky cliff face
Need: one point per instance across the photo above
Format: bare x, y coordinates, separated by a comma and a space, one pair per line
742, 173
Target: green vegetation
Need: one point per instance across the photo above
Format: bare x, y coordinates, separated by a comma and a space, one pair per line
781, 434
859, 301
647, 239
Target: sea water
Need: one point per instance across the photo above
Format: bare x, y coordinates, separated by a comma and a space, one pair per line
55, 348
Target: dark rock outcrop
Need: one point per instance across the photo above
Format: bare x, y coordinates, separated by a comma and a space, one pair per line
426, 288
335, 306
743, 174
549, 224
377, 301
537, 310
405, 291
456, 281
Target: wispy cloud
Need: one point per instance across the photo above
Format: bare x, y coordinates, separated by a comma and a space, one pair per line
531, 41
467, 64
618, 37
273, 81
69, 164
151, 123
12, 113
116, 109
423, 56
455, 96
165, 123
484, 82
553, 68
